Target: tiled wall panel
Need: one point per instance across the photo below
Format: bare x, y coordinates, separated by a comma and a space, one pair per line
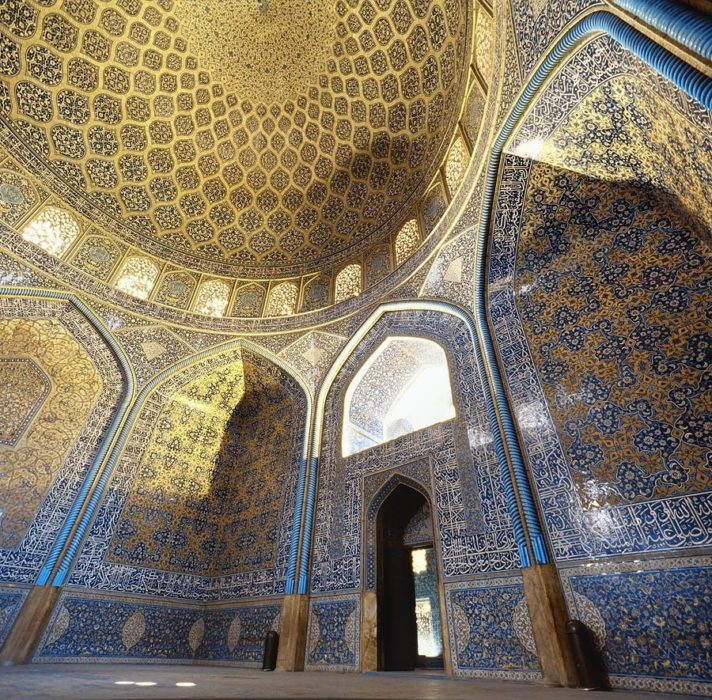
89, 627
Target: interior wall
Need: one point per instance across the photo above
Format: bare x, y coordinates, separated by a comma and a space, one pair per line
455, 463
632, 545
60, 385
187, 555
599, 282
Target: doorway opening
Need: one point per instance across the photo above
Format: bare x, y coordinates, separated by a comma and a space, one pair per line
409, 628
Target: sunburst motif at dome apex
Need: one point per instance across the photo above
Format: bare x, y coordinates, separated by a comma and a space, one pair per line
263, 51
120, 108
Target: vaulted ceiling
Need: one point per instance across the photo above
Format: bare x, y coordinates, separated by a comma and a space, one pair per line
241, 137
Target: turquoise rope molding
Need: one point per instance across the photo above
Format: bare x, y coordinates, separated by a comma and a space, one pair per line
128, 391
72, 550
688, 79
308, 524
296, 527
681, 23
691, 81
422, 305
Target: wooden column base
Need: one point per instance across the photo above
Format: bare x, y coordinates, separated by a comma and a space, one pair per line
293, 633
29, 625
547, 610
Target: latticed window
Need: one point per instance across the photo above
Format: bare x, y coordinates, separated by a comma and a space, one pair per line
213, 297
407, 241
282, 299
137, 277
53, 229
403, 387
348, 283
456, 165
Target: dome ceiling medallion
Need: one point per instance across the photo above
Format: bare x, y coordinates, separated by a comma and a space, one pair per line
238, 137
265, 51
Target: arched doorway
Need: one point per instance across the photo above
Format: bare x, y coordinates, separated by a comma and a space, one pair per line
409, 634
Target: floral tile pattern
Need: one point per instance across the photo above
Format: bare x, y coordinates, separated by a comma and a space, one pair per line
94, 628
11, 600
656, 618
46, 459
333, 637
485, 642
189, 528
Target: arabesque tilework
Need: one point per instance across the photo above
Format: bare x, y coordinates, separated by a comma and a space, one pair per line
486, 642
11, 600
595, 293
598, 286
137, 122
452, 462
46, 459
537, 22
625, 350
475, 528
614, 509
200, 505
143, 630
654, 617
607, 114
333, 638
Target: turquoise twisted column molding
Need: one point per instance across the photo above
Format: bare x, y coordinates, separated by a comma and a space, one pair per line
681, 74
308, 525
128, 392
298, 523
520, 534
126, 428
682, 23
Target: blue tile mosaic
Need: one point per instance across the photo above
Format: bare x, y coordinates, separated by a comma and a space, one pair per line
238, 634
643, 524
333, 637
471, 514
656, 621
491, 630
94, 628
538, 23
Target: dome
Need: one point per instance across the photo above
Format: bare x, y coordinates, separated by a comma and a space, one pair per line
255, 139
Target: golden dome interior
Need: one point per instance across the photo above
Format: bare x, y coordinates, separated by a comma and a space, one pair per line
230, 138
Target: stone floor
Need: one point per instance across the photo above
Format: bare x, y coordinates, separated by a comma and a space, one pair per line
160, 682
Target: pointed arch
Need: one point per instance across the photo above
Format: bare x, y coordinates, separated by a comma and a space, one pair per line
392, 483
53, 229
212, 298
123, 435
419, 393
127, 393
523, 488
137, 276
